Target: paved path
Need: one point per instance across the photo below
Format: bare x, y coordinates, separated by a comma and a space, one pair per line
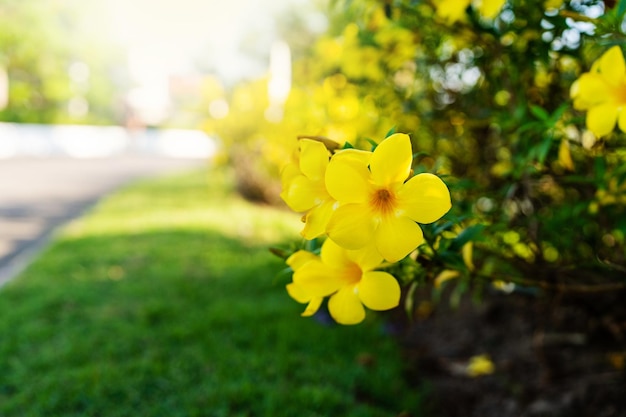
39, 194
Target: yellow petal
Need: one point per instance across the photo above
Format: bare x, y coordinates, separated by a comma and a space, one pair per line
351, 226
490, 8
347, 180
313, 159
317, 219
467, 252
345, 307
590, 90
480, 365
354, 154
565, 156
445, 275
312, 307
334, 255
288, 173
297, 293
302, 194
396, 237
316, 279
601, 119
612, 66
424, 198
621, 120
366, 258
379, 290
391, 160
299, 258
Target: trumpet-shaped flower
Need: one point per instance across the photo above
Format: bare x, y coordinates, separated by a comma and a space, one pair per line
348, 277
304, 189
602, 92
377, 205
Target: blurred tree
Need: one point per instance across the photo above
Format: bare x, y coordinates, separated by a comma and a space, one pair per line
59, 70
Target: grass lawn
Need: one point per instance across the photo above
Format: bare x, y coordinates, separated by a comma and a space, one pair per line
164, 301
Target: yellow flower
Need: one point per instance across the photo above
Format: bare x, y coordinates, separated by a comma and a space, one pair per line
489, 9
452, 10
377, 205
304, 189
348, 277
602, 92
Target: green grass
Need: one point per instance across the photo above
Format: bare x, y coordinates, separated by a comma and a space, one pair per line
164, 301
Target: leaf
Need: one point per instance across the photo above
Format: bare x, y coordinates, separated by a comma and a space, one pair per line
621, 7
540, 113
409, 302
391, 131
467, 235
373, 143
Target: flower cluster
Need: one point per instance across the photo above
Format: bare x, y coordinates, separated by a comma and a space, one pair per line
369, 205
602, 92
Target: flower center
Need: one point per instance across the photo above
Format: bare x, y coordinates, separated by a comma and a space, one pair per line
383, 201
352, 274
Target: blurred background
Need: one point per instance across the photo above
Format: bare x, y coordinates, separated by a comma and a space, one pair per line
137, 65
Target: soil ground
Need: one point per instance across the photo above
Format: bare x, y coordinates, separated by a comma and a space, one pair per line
553, 355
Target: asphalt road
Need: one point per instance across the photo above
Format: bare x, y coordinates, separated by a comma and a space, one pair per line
39, 194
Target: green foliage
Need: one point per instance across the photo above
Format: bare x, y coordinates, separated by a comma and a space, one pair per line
161, 302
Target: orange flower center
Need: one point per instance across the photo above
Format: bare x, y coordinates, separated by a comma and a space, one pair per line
352, 274
383, 201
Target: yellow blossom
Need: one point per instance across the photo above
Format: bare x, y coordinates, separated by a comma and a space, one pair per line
451, 10
602, 92
377, 205
348, 277
304, 189
489, 9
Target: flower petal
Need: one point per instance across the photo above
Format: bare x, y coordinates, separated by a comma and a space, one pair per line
316, 279
425, 198
354, 154
313, 158
302, 194
601, 119
298, 259
379, 290
345, 307
612, 66
391, 160
334, 255
317, 219
396, 237
347, 180
621, 120
312, 307
367, 258
351, 226
589, 90
297, 293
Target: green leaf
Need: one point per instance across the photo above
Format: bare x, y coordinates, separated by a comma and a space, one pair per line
470, 233
372, 142
621, 7
391, 131
540, 113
